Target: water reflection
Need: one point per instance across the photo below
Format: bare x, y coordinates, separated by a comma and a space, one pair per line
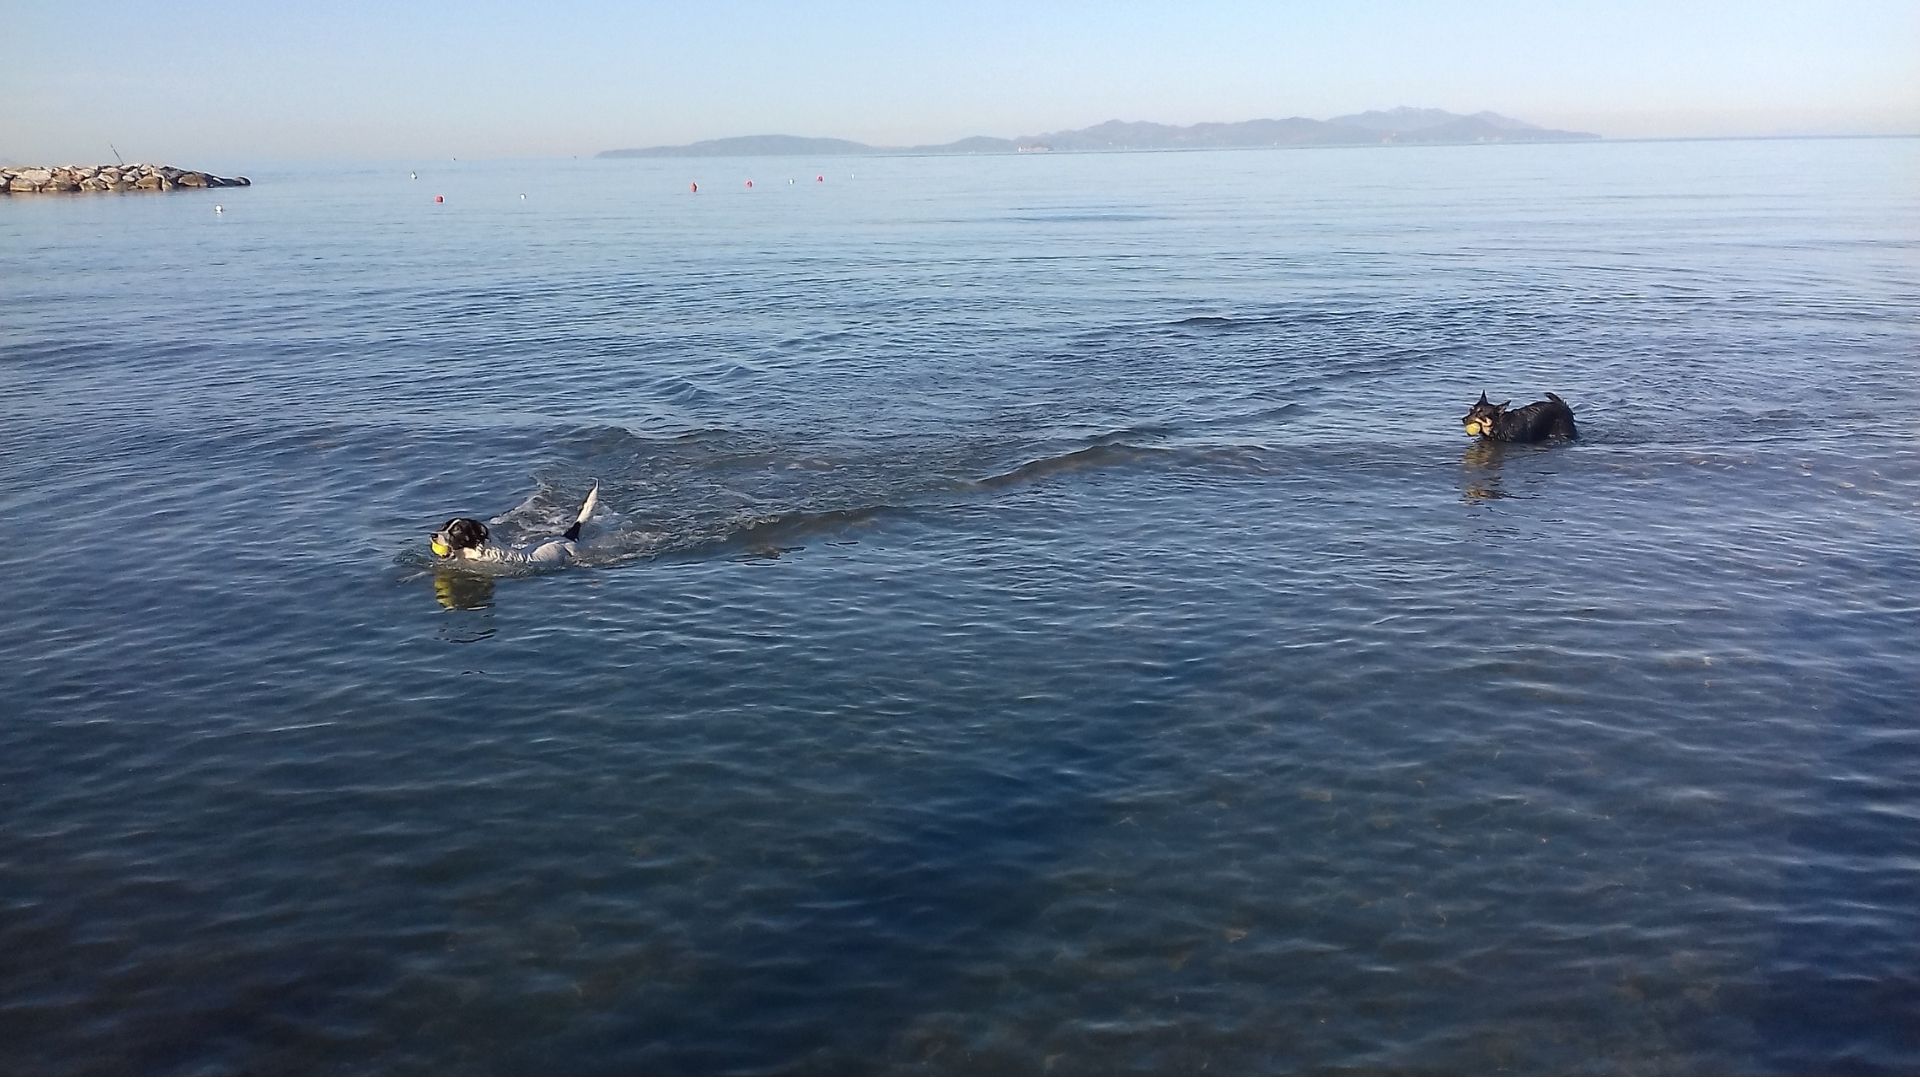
458, 591
470, 598
1480, 468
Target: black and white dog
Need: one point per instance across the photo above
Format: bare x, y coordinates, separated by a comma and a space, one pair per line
466, 538
1538, 422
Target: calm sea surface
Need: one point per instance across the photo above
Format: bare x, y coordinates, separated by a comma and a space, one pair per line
1046, 616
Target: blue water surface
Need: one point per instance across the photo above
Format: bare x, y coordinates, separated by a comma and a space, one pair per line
1045, 616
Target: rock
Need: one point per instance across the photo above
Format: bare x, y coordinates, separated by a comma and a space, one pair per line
23, 179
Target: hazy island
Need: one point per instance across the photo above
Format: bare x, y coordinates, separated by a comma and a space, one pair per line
38, 179
1388, 126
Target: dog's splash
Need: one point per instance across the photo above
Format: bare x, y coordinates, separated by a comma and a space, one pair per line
717, 494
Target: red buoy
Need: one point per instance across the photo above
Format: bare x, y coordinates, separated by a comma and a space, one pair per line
695, 188
439, 198
749, 183
821, 179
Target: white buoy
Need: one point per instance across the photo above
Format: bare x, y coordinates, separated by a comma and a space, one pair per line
217, 209
413, 176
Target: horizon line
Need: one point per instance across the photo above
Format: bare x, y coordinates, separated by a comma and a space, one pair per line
910, 153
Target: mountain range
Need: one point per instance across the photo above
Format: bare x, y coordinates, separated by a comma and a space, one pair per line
1384, 126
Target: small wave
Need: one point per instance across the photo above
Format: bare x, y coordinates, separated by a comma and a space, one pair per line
1101, 455
1239, 323
764, 535
1085, 217
796, 523
615, 450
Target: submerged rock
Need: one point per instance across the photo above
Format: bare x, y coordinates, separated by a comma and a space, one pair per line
37, 179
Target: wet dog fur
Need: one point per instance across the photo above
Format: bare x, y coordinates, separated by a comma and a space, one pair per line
1538, 422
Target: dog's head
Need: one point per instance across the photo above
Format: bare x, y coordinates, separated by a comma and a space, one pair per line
457, 537
1480, 419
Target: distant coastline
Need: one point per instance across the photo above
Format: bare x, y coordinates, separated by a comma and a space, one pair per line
1400, 126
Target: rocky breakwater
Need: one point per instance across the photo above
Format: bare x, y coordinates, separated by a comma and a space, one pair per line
34, 179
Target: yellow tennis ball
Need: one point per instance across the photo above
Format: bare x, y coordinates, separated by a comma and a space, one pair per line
1473, 427
440, 547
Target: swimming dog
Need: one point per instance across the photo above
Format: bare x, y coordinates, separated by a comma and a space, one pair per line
1538, 422
466, 538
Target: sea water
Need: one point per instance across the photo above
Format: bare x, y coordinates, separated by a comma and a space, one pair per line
1045, 616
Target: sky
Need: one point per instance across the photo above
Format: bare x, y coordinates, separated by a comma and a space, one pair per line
218, 83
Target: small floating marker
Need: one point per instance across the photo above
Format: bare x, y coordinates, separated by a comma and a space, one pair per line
413, 176
218, 209
439, 198
749, 183
821, 179
523, 196
695, 188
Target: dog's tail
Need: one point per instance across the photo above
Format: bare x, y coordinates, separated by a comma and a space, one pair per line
586, 511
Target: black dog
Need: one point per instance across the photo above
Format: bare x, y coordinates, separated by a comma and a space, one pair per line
1542, 420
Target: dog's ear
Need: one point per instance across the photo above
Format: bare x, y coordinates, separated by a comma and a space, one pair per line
1503, 405
1483, 398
